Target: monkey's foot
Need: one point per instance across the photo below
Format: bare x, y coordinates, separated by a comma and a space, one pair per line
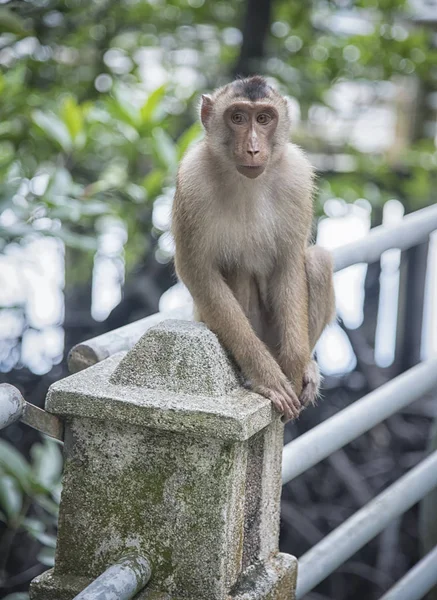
283, 398
310, 384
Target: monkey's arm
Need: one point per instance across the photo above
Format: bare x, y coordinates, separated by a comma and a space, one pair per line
294, 309
290, 309
222, 313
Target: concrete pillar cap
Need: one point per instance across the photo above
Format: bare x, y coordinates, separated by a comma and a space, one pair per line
177, 377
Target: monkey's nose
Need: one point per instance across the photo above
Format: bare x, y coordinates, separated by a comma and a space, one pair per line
253, 152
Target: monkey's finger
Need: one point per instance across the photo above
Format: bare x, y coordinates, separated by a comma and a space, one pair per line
294, 412
309, 394
291, 410
282, 401
280, 406
291, 397
288, 414
287, 417
290, 392
270, 395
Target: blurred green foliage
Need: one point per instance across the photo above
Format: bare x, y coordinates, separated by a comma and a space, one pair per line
98, 100
29, 497
83, 133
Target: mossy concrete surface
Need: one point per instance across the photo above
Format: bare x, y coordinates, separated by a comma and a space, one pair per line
168, 456
274, 579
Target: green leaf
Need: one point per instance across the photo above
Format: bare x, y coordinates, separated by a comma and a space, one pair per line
148, 109
46, 463
153, 182
10, 22
17, 596
60, 185
33, 526
94, 208
48, 504
11, 497
76, 240
165, 149
191, 135
54, 128
47, 540
47, 557
56, 492
72, 116
123, 108
13, 464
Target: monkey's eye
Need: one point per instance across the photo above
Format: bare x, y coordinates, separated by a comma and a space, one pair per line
238, 118
264, 118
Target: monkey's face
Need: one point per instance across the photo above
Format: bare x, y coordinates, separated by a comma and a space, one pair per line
251, 127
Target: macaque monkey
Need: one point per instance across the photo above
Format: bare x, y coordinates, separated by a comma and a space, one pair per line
242, 217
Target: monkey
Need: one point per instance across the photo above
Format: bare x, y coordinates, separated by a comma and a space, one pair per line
241, 222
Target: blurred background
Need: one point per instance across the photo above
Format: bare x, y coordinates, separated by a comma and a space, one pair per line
98, 102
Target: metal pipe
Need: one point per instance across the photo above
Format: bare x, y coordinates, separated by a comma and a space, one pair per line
43, 421
13, 408
413, 229
334, 433
11, 405
417, 582
120, 581
353, 534
96, 349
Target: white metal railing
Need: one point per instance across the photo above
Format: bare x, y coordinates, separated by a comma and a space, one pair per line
411, 231
334, 433
353, 534
417, 582
331, 435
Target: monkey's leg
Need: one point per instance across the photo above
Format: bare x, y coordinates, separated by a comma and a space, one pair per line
321, 298
321, 311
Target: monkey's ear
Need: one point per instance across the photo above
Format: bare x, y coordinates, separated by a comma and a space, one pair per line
293, 109
206, 109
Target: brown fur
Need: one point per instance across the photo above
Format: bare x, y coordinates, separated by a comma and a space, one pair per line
242, 246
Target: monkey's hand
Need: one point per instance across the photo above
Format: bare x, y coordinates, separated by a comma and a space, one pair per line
310, 384
280, 391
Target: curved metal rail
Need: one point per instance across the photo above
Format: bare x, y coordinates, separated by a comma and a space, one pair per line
353, 534
310, 448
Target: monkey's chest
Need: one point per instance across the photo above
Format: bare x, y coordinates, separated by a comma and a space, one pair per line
247, 243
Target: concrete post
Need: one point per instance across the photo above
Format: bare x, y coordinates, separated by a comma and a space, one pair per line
168, 456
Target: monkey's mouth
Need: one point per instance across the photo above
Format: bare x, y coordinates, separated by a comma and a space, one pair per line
250, 170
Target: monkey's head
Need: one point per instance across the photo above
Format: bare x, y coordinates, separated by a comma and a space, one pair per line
247, 124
